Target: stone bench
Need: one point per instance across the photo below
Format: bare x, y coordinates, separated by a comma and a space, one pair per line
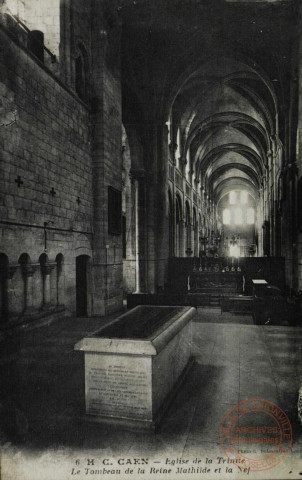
134, 366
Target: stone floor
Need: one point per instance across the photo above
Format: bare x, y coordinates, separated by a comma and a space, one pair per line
44, 434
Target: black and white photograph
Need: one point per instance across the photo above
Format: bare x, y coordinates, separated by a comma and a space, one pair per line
150, 239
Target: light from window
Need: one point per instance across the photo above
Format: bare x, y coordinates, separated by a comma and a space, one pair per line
232, 197
188, 164
250, 216
226, 216
238, 216
243, 197
177, 151
234, 251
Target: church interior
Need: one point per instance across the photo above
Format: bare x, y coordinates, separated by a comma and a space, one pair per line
151, 155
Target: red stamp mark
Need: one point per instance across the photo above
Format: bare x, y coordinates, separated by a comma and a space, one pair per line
256, 435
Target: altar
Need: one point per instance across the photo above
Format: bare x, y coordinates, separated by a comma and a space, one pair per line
215, 282
134, 366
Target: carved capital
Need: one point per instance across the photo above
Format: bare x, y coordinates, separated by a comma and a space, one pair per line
29, 270
47, 268
11, 271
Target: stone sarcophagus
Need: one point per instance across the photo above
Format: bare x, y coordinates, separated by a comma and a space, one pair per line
134, 366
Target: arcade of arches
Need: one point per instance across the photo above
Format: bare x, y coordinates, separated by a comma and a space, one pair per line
136, 132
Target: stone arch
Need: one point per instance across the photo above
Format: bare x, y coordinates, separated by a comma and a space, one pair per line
81, 71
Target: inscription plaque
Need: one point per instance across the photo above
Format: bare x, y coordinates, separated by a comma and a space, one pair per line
118, 386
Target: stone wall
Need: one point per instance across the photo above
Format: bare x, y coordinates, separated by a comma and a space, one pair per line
106, 161
46, 174
61, 154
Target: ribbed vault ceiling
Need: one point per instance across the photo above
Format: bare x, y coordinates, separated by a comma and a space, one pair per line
219, 71
226, 113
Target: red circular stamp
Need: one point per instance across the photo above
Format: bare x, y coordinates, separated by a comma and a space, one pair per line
255, 435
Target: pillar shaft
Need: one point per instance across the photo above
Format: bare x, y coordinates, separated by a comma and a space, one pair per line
107, 264
28, 271
10, 289
46, 271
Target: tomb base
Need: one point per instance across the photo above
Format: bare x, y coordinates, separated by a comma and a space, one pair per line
134, 366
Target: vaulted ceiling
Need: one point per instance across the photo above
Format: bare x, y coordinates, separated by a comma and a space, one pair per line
223, 71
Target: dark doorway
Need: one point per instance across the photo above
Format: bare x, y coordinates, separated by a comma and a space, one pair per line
81, 284
3, 287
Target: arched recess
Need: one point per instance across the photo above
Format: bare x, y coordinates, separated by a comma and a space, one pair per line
178, 229
3, 287
42, 283
28, 270
83, 286
81, 74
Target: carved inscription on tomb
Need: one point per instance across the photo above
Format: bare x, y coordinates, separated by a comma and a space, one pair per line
120, 388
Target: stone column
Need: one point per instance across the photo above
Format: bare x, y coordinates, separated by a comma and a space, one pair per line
271, 179
138, 179
260, 221
28, 271
137, 232
163, 240
183, 238
46, 271
9, 289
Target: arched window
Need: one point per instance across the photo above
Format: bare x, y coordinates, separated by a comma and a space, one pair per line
226, 216
188, 166
177, 152
250, 216
238, 216
243, 197
81, 73
234, 251
232, 197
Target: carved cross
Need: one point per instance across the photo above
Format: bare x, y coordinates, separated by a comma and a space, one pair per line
19, 181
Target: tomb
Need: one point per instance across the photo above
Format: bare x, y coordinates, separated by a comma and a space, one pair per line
134, 366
